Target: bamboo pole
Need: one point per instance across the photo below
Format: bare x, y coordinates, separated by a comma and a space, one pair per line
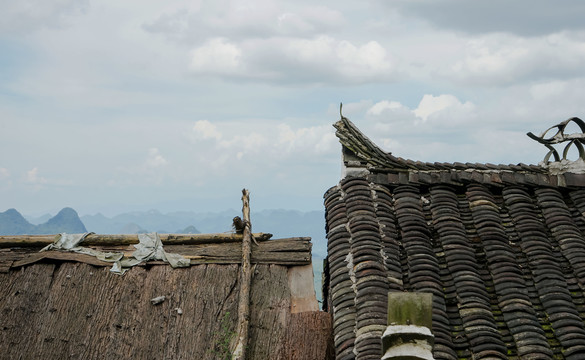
127, 239
246, 280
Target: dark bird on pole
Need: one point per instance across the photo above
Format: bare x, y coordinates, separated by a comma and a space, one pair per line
238, 225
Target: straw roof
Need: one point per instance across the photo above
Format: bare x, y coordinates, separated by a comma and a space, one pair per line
57, 304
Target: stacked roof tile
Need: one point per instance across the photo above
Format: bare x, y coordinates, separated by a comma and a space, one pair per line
500, 247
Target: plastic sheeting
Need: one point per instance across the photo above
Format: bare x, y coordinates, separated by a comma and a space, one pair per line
150, 247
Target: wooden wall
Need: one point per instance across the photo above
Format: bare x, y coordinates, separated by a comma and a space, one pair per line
75, 310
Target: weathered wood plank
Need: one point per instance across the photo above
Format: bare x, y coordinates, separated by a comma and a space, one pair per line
59, 255
23, 305
126, 239
7, 258
293, 251
235, 249
288, 259
75, 310
283, 262
270, 301
302, 289
309, 336
79, 311
277, 251
290, 244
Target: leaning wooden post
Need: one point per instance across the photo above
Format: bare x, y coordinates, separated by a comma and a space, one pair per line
245, 281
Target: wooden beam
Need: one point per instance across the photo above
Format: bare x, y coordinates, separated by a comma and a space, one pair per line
288, 252
127, 239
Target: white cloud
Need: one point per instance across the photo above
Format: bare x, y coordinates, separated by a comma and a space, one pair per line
262, 145
444, 110
216, 56
488, 58
383, 105
155, 159
363, 61
327, 59
250, 142
309, 20
284, 43
502, 59
388, 116
283, 59
32, 177
238, 20
548, 90
203, 129
314, 139
149, 171
445, 106
290, 23
531, 107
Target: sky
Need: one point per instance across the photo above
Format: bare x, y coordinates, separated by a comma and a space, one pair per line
115, 106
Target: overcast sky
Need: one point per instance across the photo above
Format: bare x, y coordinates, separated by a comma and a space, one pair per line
114, 106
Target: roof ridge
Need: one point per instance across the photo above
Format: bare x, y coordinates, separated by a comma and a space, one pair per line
366, 150
353, 139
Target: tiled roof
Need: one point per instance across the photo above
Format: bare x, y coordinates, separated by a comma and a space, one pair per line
501, 248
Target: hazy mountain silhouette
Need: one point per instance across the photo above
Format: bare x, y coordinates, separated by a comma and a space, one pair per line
141, 221
189, 230
12, 223
67, 220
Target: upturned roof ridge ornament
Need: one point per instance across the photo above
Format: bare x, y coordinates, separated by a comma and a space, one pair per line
364, 148
577, 139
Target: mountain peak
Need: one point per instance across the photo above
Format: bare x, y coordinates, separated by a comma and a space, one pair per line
13, 223
67, 220
66, 212
12, 212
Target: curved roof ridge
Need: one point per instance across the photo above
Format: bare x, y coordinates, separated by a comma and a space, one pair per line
353, 139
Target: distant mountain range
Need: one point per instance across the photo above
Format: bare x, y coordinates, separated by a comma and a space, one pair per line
138, 222
67, 220
280, 223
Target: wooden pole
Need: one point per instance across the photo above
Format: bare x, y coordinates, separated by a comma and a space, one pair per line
246, 280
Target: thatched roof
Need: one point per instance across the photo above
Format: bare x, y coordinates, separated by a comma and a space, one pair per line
58, 305
500, 247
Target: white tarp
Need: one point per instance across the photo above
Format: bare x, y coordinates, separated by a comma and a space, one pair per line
150, 247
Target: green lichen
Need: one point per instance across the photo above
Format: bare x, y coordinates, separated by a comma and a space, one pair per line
410, 309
